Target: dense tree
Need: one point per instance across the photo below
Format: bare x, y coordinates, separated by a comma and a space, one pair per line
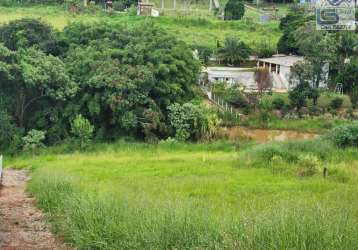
128, 77
28, 32
234, 51
32, 85
301, 85
289, 24
234, 10
318, 48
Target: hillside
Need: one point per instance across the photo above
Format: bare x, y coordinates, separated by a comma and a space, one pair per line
193, 29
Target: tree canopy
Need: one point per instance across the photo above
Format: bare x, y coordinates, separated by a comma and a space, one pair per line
122, 79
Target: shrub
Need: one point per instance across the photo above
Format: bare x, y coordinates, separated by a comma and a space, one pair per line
234, 10
345, 135
192, 122
308, 165
34, 139
278, 103
82, 130
336, 103
289, 152
235, 97
266, 104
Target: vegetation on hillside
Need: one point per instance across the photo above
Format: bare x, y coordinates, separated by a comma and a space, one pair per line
193, 29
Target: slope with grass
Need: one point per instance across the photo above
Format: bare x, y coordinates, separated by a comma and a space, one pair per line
207, 196
203, 31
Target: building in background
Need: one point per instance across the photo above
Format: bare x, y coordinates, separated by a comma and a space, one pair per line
279, 67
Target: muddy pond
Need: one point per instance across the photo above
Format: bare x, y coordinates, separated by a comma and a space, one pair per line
265, 135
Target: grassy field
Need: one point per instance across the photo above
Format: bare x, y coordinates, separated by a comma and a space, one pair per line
199, 196
194, 30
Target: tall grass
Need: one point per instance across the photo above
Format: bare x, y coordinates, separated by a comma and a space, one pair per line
135, 221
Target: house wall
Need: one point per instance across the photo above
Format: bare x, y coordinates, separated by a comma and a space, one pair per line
285, 73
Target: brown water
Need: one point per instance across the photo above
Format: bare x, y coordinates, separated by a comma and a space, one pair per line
265, 135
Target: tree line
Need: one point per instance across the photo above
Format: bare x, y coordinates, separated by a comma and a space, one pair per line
100, 80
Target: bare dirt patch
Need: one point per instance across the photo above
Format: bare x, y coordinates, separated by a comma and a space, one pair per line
22, 225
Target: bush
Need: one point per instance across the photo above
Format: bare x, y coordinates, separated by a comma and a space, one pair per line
289, 152
34, 140
278, 103
82, 130
236, 97
308, 165
234, 10
191, 122
345, 135
336, 103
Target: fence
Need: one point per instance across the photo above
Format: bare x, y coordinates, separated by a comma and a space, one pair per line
223, 105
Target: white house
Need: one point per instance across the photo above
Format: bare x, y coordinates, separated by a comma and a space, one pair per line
278, 65
280, 68
231, 75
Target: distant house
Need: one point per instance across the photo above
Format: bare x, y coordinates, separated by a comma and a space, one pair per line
280, 68
278, 65
231, 75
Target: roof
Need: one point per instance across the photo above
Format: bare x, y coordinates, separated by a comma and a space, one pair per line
225, 71
282, 60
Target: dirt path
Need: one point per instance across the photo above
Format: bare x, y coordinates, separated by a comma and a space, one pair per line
21, 224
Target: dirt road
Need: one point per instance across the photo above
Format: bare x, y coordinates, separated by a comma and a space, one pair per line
22, 225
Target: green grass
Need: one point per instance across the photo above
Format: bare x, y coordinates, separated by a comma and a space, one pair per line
310, 125
198, 196
193, 29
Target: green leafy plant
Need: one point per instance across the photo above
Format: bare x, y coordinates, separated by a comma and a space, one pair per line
278, 103
345, 135
34, 140
234, 10
82, 130
234, 51
308, 165
336, 103
190, 122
